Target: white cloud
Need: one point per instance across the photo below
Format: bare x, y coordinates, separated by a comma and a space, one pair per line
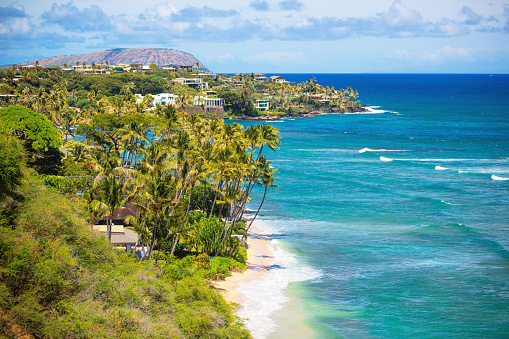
222, 58
275, 57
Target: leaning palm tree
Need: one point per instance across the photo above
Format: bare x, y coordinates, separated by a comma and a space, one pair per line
267, 182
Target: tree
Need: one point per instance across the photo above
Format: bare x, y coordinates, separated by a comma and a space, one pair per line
153, 67
11, 164
109, 184
152, 193
267, 181
34, 129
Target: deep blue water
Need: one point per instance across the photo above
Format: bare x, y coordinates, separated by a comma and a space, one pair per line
398, 221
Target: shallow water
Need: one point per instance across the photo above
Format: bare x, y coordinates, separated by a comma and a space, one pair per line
395, 224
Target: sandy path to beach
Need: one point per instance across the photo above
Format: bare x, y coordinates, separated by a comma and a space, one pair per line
260, 258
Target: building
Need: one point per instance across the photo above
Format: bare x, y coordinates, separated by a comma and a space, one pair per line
164, 99
120, 236
206, 75
278, 79
210, 102
195, 83
262, 105
260, 77
178, 68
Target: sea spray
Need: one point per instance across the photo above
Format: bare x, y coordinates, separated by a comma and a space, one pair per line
262, 298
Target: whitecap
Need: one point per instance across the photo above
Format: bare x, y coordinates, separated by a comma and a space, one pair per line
374, 110
440, 168
385, 159
381, 150
497, 178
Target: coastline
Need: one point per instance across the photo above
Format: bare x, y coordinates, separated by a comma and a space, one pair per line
312, 113
257, 293
259, 259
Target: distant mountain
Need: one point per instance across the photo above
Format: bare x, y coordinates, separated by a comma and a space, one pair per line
146, 56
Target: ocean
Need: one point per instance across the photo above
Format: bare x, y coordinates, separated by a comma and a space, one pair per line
393, 224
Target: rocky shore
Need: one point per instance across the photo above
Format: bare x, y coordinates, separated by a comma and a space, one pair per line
305, 112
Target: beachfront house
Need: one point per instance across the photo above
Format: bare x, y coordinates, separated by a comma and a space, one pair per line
158, 99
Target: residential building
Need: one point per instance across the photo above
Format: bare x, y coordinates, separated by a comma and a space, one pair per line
262, 105
210, 102
260, 77
164, 99
178, 68
278, 79
206, 75
195, 83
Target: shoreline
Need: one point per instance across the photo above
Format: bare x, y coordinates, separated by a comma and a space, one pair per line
259, 259
257, 294
360, 110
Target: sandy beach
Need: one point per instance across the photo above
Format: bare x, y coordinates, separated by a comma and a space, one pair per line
260, 258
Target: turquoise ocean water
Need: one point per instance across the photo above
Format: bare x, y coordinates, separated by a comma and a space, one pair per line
394, 224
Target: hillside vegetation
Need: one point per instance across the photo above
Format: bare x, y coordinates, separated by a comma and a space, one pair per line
61, 279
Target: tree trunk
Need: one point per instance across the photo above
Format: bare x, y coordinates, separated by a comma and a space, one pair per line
153, 237
252, 220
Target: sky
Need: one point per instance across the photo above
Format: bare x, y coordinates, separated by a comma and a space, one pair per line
271, 36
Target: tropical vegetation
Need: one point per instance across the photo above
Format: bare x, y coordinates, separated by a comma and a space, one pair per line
65, 168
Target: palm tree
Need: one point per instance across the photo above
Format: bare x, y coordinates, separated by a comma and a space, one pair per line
153, 191
267, 181
109, 183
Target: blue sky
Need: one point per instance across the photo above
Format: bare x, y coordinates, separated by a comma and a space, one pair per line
272, 36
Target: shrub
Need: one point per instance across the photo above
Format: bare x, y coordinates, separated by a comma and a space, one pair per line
202, 261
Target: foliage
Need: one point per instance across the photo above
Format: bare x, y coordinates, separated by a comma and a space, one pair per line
59, 279
11, 165
66, 185
221, 267
30, 127
236, 103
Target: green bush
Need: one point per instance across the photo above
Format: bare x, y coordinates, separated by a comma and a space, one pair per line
202, 261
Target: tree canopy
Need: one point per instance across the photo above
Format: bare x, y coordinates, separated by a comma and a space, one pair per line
30, 127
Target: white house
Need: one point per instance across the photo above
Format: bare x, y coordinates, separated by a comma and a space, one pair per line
195, 83
278, 79
211, 102
164, 99
262, 105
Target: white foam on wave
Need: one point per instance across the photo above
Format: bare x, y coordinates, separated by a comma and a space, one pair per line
262, 298
497, 178
381, 150
436, 160
374, 110
386, 159
440, 168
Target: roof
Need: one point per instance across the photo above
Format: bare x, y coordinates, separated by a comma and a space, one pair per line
128, 238
119, 234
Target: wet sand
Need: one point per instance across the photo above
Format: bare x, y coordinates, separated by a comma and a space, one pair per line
260, 258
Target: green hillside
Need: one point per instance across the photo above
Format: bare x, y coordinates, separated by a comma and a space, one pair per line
61, 279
